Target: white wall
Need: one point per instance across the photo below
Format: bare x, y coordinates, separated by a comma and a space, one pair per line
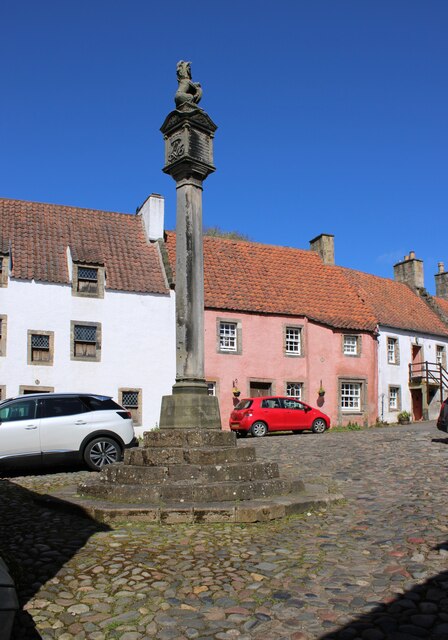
398, 375
137, 345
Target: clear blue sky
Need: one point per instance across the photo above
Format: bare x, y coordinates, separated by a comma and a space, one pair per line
332, 115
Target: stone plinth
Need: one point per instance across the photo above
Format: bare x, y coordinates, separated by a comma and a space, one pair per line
194, 475
184, 410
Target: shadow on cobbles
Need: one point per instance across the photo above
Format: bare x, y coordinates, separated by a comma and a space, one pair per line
421, 612
36, 541
442, 440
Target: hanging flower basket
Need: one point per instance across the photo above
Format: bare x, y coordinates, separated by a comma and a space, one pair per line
236, 392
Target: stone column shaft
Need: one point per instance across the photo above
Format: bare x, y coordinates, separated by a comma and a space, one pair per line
189, 285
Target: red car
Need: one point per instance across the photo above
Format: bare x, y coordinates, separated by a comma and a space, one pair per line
260, 415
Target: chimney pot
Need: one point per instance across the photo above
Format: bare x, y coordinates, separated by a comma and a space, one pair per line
410, 271
441, 279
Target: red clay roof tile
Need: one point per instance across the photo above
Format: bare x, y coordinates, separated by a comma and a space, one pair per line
40, 234
394, 304
259, 278
443, 304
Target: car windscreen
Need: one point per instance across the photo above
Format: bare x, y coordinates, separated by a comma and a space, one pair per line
243, 404
100, 403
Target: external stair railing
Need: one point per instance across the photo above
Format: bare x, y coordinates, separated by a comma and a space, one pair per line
431, 373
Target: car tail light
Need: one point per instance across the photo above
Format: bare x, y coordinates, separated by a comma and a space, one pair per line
248, 413
125, 414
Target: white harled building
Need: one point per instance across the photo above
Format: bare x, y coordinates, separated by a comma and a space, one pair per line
85, 304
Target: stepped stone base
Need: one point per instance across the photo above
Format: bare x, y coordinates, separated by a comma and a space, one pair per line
193, 475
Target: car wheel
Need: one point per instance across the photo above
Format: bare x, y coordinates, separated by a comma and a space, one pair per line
100, 452
319, 426
259, 429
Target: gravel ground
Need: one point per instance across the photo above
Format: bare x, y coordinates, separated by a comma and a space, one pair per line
372, 567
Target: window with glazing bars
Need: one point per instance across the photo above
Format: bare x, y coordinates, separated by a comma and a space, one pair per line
350, 345
350, 396
85, 341
392, 350
211, 388
130, 399
293, 342
394, 396
87, 280
40, 347
227, 336
294, 389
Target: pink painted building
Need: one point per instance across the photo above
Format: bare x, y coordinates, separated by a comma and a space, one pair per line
278, 320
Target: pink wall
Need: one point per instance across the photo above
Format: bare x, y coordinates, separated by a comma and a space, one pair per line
263, 358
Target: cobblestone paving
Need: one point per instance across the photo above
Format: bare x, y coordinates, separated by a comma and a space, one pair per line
370, 568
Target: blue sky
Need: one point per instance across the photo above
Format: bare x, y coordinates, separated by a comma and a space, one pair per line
331, 114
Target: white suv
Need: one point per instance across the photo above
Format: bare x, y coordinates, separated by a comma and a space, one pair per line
57, 427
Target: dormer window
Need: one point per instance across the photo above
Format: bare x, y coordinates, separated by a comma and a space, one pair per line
88, 280
4, 269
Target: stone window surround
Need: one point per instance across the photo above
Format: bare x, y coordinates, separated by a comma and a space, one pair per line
302, 388
442, 348
215, 383
85, 323
2, 391
239, 335
362, 396
101, 280
29, 388
358, 345
43, 363
137, 416
3, 334
397, 350
291, 354
4, 269
398, 407
270, 381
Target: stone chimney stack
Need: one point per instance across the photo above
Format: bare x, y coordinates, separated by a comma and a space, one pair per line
324, 246
441, 279
410, 271
153, 214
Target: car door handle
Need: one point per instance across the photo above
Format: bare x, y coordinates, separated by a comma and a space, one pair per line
80, 422
30, 427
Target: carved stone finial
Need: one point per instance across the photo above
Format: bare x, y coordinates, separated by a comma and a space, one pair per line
188, 91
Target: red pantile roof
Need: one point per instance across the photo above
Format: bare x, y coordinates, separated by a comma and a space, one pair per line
259, 278
443, 304
40, 234
394, 304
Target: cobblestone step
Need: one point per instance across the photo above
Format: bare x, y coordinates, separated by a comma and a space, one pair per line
196, 456
303, 498
190, 474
